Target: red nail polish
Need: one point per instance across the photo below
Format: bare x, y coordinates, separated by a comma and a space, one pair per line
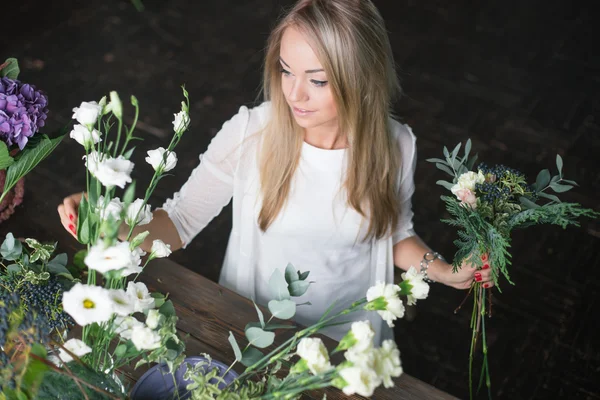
484, 257
478, 278
72, 228
486, 285
71, 217
486, 266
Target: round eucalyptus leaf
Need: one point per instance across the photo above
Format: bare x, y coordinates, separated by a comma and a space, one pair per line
284, 309
259, 338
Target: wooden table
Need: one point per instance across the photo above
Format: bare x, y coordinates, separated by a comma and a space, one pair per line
208, 311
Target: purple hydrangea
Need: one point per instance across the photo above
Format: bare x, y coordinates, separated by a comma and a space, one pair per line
23, 111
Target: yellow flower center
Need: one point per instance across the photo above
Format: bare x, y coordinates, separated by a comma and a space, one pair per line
87, 303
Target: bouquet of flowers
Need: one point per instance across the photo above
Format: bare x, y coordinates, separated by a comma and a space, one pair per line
108, 306
488, 203
302, 363
23, 112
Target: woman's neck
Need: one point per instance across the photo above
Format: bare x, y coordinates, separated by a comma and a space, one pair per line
328, 139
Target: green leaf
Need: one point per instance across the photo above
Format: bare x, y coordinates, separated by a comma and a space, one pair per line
58, 268
14, 268
467, 148
159, 299
129, 195
298, 288
128, 153
549, 196
251, 356
446, 153
94, 192
11, 248
436, 160
272, 327
261, 318
278, 286
527, 203
29, 159
284, 309
302, 276
558, 188
78, 259
5, 159
121, 350
455, 151
167, 309
259, 338
235, 346
11, 70
445, 184
570, 182
542, 180
559, 164
445, 169
290, 274
471, 162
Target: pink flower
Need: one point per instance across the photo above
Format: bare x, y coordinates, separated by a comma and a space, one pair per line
467, 197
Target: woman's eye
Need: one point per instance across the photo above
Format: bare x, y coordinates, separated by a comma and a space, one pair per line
285, 72
318, 83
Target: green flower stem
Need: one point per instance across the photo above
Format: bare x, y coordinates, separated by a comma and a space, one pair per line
288, 344
130, 130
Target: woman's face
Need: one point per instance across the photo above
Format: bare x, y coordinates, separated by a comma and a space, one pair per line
304, 83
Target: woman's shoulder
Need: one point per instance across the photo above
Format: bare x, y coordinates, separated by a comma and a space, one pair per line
404, 135
257, 116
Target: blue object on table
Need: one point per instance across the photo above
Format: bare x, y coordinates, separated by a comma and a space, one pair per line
158, 384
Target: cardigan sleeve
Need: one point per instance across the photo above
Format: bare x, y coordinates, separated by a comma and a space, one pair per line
406, 186
209, 188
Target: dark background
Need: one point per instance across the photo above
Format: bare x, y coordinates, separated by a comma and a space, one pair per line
520, 79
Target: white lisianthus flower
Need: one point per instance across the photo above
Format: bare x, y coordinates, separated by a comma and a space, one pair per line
114, 172
364, 359
314, 352
122, 302
388, 364
76, 347
123, 326
154, 319
181, 121
87, 113
87, 304
143, 213
134, 266
419, 288
360, 381
112, 258
82, 135
160, 249
113, 208
92, 161
384, 298
144, 338
143, 300
155, 158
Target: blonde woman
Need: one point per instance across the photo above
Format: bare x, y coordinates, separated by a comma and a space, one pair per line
320, 174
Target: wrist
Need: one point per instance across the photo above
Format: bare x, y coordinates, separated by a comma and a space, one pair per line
429, 266
437, 270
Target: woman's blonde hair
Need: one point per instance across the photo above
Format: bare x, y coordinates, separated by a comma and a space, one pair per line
350, 41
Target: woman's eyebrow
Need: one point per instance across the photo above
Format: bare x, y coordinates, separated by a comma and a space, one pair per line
308, 71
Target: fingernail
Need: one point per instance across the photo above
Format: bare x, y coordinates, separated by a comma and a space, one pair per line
71, 217
486, 285
478, 278
486, 266
72, 228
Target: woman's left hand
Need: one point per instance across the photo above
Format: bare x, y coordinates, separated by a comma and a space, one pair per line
466, 274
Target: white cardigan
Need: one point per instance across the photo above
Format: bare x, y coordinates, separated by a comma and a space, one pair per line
228, 169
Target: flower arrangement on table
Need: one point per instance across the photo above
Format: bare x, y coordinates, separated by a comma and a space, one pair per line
488, 203
23, 112
121, 321
302, 363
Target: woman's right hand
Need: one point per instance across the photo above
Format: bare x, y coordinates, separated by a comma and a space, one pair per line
68, 211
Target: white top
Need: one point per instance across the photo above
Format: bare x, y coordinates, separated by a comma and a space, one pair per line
316, 231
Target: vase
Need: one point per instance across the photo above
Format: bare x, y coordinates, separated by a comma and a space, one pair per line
12, 199
158, 384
